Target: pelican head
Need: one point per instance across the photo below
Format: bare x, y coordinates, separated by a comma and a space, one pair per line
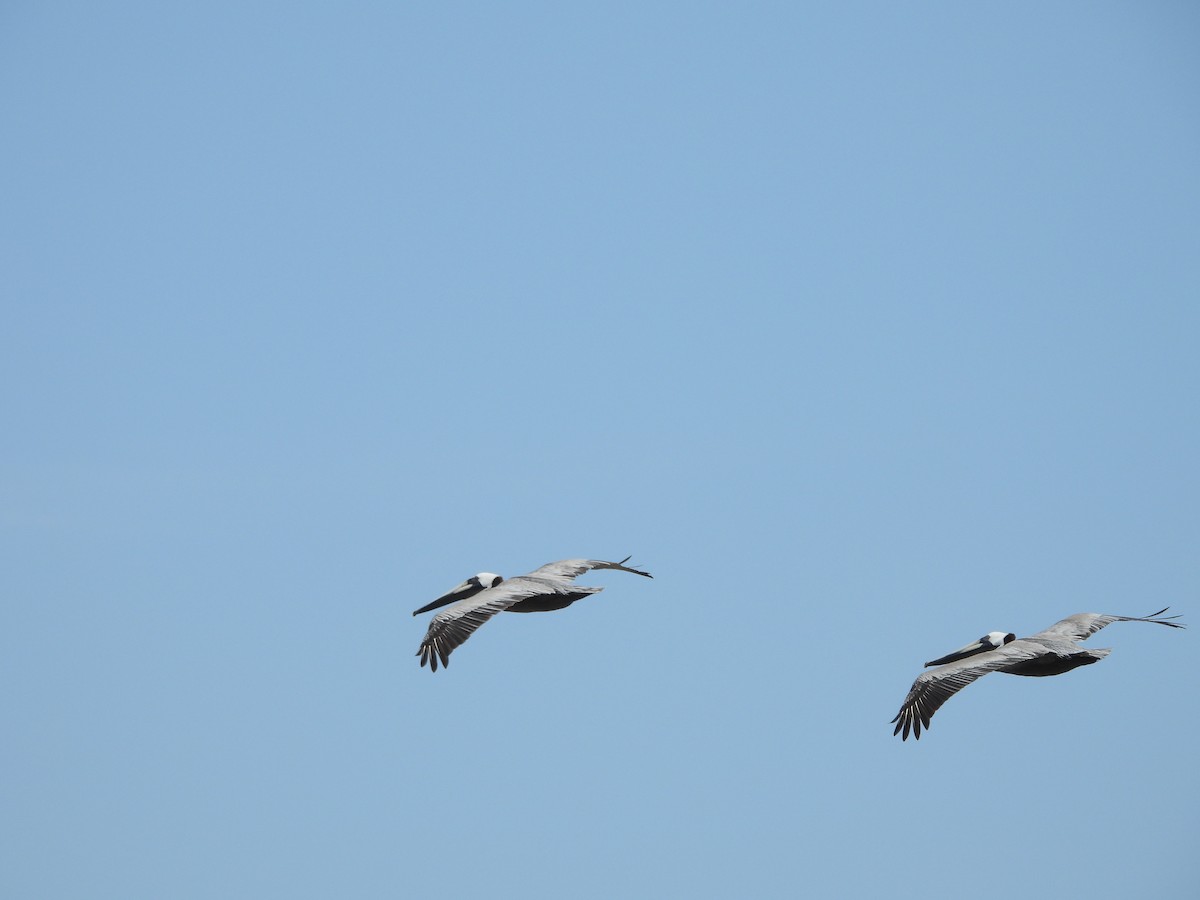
468, 588
990, 641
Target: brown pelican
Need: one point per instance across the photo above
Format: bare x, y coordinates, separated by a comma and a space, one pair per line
1050, 652
482, 596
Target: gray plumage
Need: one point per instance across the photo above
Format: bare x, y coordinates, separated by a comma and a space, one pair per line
1050, 652
480, 597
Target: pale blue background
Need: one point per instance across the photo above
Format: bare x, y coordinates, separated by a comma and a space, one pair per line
867, 328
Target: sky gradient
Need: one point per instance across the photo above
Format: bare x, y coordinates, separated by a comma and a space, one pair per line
865, 329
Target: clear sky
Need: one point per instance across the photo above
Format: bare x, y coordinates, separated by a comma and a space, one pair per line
866, 328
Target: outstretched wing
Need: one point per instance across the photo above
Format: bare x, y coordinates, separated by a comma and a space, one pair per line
571, 568
458, 621
935, 687
1082, 626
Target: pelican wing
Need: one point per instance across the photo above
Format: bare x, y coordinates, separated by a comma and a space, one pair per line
1081, 626
458, 621
571, 568
935, 687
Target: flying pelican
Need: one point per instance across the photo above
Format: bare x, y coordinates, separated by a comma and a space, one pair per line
1051, 652
482, 596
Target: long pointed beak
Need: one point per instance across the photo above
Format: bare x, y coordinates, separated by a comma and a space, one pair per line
464, 590
962, 653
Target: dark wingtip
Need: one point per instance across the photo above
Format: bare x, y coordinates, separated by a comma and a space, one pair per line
903, 723
427, 657
633, 570
1154, 617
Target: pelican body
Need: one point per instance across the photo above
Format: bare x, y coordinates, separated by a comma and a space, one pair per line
1050, 652
481, 596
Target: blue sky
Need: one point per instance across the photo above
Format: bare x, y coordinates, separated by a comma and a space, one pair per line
865, 328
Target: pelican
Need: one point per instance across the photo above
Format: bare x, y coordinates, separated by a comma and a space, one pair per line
1051, 652
482, 596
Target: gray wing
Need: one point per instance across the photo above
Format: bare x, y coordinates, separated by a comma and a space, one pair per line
1082, 626
458, 621
571, 568
935, 687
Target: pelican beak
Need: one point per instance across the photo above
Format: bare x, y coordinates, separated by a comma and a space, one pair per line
464, 590
962, 653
